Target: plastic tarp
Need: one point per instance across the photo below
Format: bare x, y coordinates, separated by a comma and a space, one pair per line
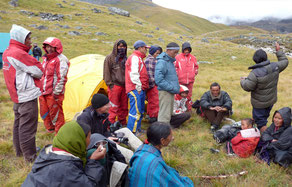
85, 78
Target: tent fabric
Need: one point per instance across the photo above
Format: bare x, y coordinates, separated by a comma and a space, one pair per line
4, 43
85, 78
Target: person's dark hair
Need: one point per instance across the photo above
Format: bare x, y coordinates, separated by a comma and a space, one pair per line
86, 128
249, 121
172, 45
260, 56
122, 42
160, 49
156, 131
215, 84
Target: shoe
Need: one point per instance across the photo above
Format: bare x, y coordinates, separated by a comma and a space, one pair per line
214, 128
152, 120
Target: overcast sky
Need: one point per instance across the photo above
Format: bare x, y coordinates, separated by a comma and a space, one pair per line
234, 9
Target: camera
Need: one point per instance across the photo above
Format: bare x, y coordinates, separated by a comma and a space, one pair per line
121, 138
115, 126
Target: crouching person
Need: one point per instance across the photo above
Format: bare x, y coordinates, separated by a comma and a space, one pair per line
180, 108
96, 116
64, 163
147, 165
216, 104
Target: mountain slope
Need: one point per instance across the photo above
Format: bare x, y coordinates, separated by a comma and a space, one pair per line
171, 20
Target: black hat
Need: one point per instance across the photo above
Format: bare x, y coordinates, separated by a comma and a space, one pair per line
185, 46
99, 100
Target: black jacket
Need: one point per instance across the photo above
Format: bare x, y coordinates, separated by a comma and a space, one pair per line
99, 123
208, 101
36, 51
51, 169
269, 133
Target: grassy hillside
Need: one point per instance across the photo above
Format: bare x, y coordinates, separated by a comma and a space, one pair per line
189, 153
172, 20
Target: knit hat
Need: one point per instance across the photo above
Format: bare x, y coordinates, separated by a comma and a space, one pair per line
172, 46
153, 49
140, 43
99, 100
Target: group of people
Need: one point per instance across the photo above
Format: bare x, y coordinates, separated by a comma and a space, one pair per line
165, 78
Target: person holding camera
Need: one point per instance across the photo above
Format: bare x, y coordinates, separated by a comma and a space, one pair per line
96, 116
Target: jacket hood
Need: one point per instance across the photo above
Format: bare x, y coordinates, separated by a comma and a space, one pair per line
54, 42
262, 64
115, 48
18, 33
286, 115
166, 57
138, 53
183, 89
186, 45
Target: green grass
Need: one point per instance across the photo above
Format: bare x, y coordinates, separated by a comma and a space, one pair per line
189, 153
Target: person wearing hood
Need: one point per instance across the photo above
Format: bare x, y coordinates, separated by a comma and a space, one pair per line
137, 82
22, 74
180, 110
147, 166
273, 137
152, 92
262, 82
64, 163
186, 68
56, 66
114, 77
167, 81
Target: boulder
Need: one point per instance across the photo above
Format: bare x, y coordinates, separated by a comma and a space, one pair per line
33, 25
205, 40
78, 14
74, 33
139, 22
72, 4
78, 28
233, 57
42, 27
60, 5
161, 40
148, 35
119, 11
157, 28
205, 62
51, 17
13, 3
101, 34
95, 10
29, 13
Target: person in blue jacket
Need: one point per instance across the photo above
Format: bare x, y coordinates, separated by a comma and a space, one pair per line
167, 81
147, 165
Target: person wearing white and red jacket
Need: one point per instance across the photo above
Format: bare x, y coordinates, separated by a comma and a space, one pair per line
186, 68
180, 110
22, 73
137, 82
56, 67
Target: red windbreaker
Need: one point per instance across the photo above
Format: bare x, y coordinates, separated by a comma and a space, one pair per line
244, 147
186, 68
56, 66
136, 76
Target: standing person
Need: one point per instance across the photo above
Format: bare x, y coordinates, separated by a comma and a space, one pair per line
22, 73
56, 67
152, 92
114, 77
137, 82
166, 81
216, 104
186, 68
36, 51
262, 82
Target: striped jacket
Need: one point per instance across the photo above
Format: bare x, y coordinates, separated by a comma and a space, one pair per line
149, 169
56, 67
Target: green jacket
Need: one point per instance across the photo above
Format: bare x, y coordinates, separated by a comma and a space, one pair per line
262, 81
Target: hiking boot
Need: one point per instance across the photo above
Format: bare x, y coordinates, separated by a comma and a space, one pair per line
214, 128
152, 120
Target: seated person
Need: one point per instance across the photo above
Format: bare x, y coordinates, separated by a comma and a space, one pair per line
96, 116
180, 110
246, 140
147, 165
269, 140
64, 163
216, 104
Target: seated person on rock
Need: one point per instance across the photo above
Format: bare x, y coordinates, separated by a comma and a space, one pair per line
96, 116
180, 108
246, 140
64, 163
216, 104
148, 167
277, 138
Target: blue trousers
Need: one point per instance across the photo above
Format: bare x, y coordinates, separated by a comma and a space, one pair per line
137, 108
261, 115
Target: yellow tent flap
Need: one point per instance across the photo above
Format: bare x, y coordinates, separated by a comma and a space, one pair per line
85, 78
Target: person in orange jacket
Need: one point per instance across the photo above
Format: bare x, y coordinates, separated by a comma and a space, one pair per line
186, 68
56, 66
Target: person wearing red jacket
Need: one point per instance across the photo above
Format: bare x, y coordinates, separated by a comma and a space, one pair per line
246, 141
186, 68
22, 75
137, 82
56, 67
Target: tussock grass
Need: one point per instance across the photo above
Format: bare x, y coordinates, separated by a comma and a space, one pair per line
190, 152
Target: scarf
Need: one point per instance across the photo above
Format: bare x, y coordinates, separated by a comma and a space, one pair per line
121, 57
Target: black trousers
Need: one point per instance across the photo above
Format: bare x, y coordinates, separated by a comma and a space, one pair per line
178, 119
